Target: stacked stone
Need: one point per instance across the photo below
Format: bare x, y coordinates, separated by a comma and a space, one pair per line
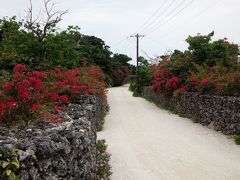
221, 113
55, 152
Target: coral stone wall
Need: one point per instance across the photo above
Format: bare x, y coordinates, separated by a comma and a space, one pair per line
216, 112
55, 152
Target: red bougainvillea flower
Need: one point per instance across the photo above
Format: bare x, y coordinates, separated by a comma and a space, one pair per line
91, 91
39, 74
7, 86
17, 77
9, 104
173, 83
205, 81
62, 83
181, 89
19, 68
32, 90
57, 70
54, 97
63, 99
24, 83
83, 86
53, 118
35, 107
24, 93
36, 83
57, 108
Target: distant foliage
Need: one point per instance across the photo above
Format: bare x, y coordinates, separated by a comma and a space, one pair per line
119, 74
142, 76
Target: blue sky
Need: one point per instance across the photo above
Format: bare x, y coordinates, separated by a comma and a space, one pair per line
116, 20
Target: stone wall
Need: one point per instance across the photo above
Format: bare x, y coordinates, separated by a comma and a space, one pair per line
55, 152
216, 112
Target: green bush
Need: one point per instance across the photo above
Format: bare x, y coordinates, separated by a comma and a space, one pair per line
103, 158
9, 165
237, 140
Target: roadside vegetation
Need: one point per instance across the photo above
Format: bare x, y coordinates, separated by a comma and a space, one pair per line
43, 69
207, 67
103, 158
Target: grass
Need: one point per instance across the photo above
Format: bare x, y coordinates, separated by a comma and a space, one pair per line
100, 124
237, 140
136, 94
103, 157
195, 120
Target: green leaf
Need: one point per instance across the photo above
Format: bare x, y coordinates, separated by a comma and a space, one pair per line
5, 164
13, 176
14, 152
16, 163
8, 172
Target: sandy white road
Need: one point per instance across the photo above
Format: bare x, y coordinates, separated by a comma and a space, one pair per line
148, 143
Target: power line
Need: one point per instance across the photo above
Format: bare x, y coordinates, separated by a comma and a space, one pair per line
190, 19
146, 22
141, 49
154, 20
144, 52
166, 16
167, 20
119, 42
169, 5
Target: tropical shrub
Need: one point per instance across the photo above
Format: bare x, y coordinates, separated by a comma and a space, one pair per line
27, 96
216, 80
207, 68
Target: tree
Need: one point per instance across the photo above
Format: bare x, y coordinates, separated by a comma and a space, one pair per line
199, 47
16, 44
143, 62
96, 51
46, 22
206, 52
121, 58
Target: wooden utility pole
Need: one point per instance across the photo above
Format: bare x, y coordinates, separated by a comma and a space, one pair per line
137, 36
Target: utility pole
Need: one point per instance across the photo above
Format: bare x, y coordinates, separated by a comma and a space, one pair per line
137, 36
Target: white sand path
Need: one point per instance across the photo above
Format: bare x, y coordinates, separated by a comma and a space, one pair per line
148, 143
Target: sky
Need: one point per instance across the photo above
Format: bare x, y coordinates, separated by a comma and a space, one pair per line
165, 23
